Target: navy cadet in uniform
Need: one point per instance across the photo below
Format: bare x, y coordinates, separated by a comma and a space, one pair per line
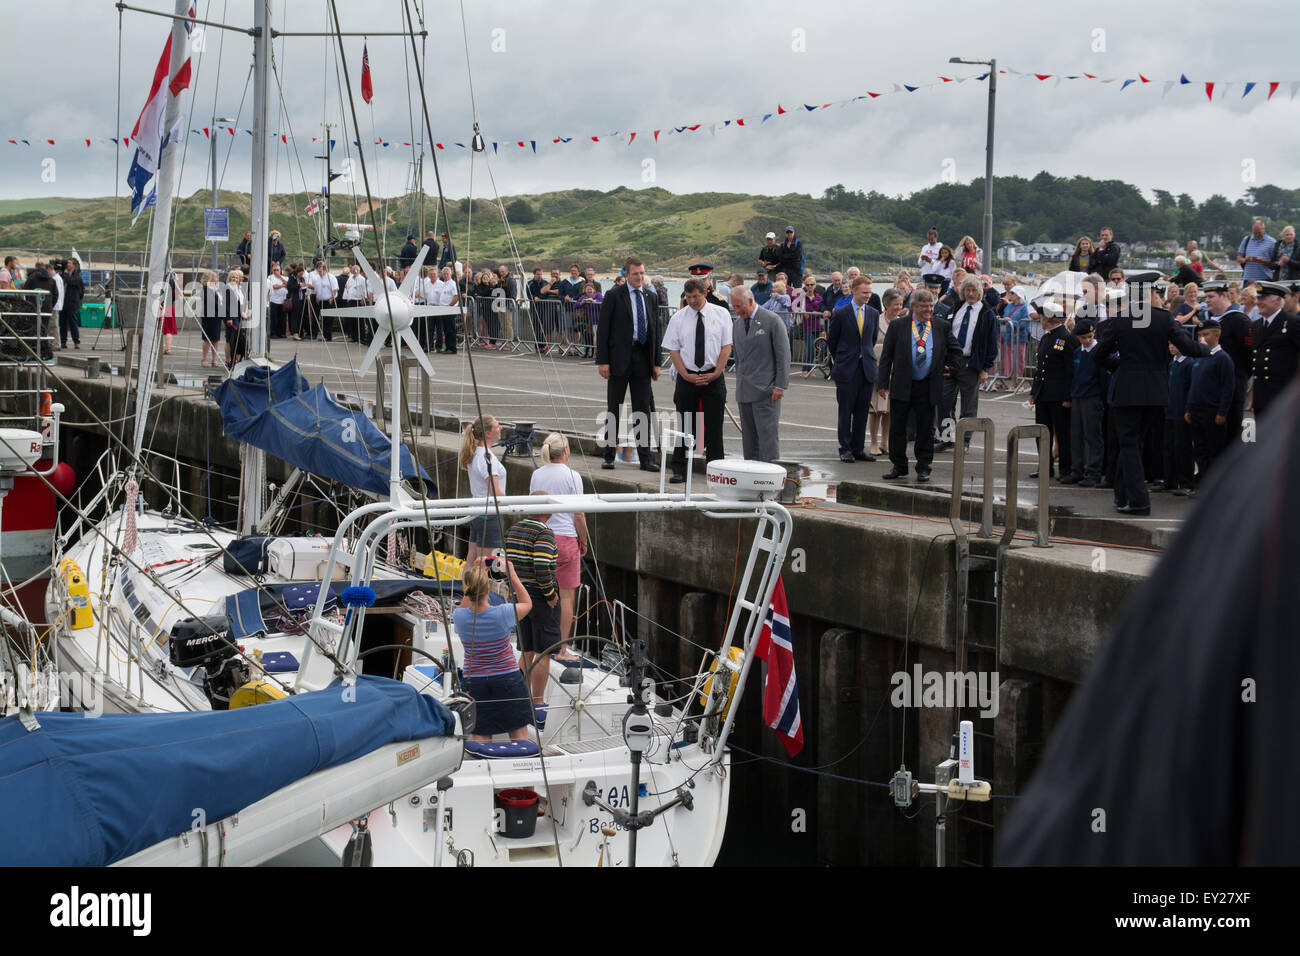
1276, 339
1213, 385
1053, 378
698, 341
1235, 340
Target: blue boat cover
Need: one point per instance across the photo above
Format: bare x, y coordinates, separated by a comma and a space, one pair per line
306, 427
89, 791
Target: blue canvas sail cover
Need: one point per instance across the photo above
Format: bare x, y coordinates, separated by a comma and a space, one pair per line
89, 791
277, 412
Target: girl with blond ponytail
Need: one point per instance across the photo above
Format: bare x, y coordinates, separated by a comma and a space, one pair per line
555, 477
487, 480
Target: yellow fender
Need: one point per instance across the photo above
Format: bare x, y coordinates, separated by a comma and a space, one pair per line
78, 595
255, 692
735, 660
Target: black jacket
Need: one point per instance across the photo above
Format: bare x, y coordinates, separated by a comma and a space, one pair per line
895, 366
614, 345
1142, 366
40, 279
1054, 371
770, 255
408, 254
74, 290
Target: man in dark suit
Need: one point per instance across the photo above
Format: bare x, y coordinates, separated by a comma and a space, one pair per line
917, 355
627, 355
1050, 395
851, 340
409, 252
975, 325
1276, 340
1141, 335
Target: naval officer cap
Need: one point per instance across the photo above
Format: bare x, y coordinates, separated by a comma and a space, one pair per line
933, 280
700, 269
1271, 288
1216, 285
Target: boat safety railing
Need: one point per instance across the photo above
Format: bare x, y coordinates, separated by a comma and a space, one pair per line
341, 641
27, 326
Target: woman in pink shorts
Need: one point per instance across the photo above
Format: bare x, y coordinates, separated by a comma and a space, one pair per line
555, 477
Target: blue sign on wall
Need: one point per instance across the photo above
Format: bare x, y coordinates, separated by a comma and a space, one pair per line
216, 224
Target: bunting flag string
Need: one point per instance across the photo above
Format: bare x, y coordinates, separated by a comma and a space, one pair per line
759, 118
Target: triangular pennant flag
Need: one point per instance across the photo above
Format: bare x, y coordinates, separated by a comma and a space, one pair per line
872, 95
1246, 91
713, 129
1109, 79
50, 141
14, 141
1209, 91
1093, 76
461, 145
946, 79
826, 106
1012, 72
249, 132
809, 108
1294, 87
533, 144
595, 139
910, 89
766, 117
1042, 76
26, 143
982, 76
87, 144
898, 88
697, 125
406, 144
656, 136
726, 122
740, 122
332, 142
521, 143
207, 133
630, 138
1169, 85
126, 141
1127, 84
494, 148
780, 109
356, 144
283, 139
231, 130
1143, 78
1058, 81
1183, 79
1272, 88
1073, 76
313, 139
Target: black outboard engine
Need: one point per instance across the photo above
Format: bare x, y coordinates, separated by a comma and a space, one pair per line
205, 642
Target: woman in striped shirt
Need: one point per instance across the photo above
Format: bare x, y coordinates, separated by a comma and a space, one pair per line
492, 675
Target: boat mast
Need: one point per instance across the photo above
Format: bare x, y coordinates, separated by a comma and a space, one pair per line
159, 296
253, 469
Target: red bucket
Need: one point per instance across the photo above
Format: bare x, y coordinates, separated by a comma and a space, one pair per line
519, 809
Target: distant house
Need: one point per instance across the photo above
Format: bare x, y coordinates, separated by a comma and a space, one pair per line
1037, 251
1011, 251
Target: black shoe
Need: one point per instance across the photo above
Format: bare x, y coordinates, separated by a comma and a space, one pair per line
863, 456
677, 479
1130, 510
649, 466
944, 446
847, 457
1070, 480
1088, 482
923, 474
1184, 492
894, 473
607, 465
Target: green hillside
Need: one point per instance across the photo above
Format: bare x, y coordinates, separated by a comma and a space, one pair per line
670, 232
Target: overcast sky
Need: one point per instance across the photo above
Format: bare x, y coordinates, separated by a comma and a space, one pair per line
586, 68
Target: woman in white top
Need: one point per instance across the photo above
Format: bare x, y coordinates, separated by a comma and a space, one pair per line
555, 477
475, 456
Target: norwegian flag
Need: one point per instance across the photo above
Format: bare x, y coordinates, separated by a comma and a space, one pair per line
367, 91
780, 690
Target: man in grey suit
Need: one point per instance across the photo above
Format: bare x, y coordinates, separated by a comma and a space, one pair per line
762, 351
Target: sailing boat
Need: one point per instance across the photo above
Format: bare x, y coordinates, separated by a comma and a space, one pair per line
134, 613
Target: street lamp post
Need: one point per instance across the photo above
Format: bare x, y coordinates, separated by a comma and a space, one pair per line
212, 150
988, 157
